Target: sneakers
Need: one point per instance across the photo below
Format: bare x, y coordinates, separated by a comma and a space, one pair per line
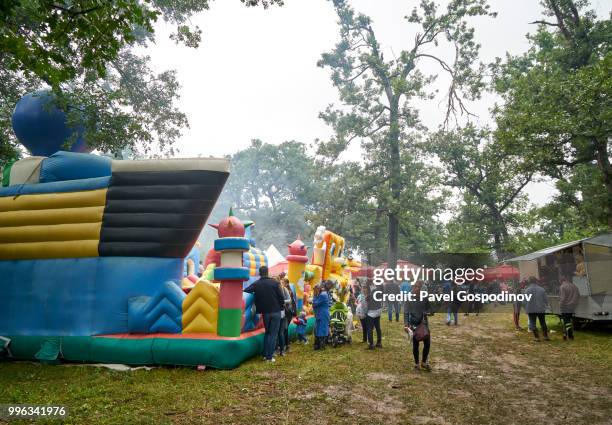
379, 345
272, 360
426, 367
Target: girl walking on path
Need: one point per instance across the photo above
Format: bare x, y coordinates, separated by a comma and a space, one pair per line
417, 321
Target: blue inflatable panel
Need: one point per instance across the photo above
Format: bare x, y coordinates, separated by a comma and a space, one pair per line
63, 166
161, 313
250, 318
78, 296
228, 244
231, 273
56, 187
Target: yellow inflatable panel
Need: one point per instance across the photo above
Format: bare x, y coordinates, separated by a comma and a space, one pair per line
51, 216
61, 249
317, 274
201, 308
45, 201
55, 232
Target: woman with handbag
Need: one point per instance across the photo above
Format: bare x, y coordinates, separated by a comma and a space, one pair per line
417, 322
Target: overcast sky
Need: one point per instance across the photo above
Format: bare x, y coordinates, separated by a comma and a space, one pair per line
255, 73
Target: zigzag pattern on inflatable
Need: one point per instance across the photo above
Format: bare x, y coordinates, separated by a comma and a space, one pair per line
92, 255
201, 308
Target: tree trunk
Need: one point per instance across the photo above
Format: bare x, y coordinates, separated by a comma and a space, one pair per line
500, 237
606, 170
395, 183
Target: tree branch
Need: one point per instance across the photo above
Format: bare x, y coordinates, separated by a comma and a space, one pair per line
552, 24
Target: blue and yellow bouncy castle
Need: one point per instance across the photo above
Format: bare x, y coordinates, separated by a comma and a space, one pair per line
91, 259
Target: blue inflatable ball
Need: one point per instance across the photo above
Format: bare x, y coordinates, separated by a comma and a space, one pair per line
41, 127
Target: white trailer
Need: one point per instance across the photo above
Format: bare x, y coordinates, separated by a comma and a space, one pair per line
586, 262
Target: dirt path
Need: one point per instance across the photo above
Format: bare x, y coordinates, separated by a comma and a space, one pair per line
484, 372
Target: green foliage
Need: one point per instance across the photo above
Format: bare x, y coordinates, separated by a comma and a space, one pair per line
491, 181
557, 109
275, 186
12, 87
56, 39
84, 51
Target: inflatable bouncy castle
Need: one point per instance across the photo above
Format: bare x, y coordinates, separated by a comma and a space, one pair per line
92, 255
328, 262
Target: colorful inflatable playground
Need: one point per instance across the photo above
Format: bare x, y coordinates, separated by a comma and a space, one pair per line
99, 258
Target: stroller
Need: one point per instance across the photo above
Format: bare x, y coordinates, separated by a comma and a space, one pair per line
340, 328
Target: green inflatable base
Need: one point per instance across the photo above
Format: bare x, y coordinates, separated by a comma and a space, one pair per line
158, 350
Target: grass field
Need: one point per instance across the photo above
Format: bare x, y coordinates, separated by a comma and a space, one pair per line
483, 373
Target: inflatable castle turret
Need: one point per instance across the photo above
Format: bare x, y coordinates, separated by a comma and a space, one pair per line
297, 260
231, 273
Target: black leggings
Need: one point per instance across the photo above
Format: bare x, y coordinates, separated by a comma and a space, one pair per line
415, 349
374, 322
364, 328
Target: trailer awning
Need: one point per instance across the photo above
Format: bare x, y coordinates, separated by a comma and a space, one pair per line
603, 240
546, 251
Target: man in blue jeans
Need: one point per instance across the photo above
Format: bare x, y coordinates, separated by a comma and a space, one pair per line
269, 300
394, 289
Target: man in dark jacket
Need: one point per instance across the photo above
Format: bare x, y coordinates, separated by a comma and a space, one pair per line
269, 300
536, 308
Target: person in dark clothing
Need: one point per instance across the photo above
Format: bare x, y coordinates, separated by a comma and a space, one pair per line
536, 308
374, 301
290, 310
393, 288
454, 305
569, 296
417, 314
473, 306
269, 301
282, 345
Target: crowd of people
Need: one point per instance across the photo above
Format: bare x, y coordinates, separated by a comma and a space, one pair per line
275, 300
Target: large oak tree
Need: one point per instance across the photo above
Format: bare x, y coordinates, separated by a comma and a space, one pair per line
378, 94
